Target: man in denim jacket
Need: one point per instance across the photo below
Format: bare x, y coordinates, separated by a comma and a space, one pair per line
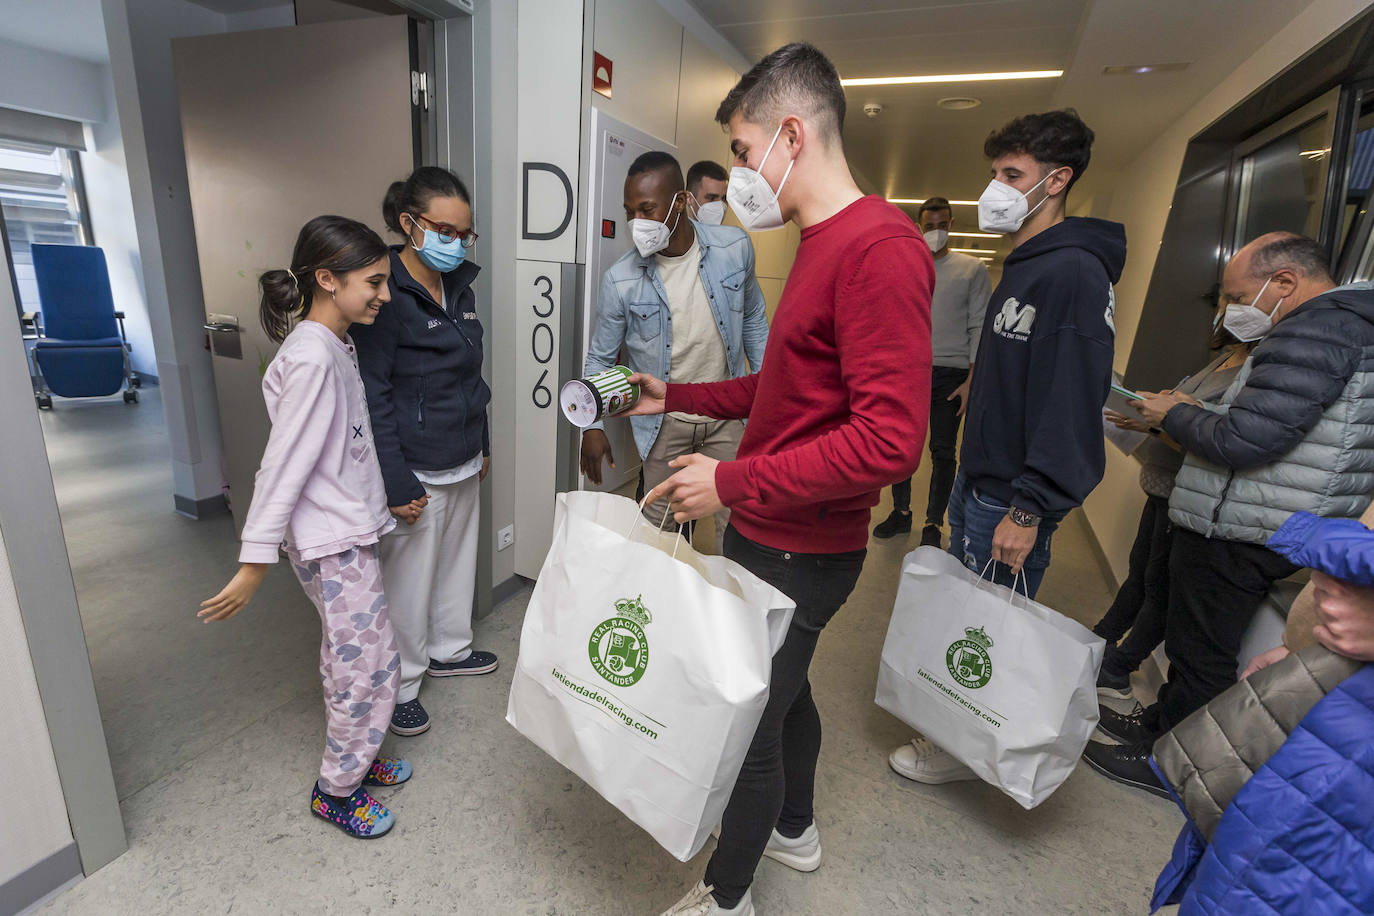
686, 305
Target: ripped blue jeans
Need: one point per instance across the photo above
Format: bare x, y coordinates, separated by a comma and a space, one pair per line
974, 516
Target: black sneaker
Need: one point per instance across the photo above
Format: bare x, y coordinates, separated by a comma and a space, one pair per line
930, 536
1126, 728
477, 663
410, 719
1114, 686
897, 523
1128, 764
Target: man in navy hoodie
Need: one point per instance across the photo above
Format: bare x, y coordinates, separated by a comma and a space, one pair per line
1033, 446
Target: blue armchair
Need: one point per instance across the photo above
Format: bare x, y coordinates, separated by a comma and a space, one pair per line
81, 350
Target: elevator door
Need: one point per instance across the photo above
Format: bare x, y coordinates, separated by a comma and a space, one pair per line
282, 125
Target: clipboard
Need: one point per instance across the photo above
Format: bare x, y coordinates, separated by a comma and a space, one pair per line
1120, 399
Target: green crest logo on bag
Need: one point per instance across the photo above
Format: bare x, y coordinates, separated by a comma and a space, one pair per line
618, 648
968, 660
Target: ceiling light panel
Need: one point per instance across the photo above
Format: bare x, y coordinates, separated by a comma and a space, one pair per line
952, 78
1142, 69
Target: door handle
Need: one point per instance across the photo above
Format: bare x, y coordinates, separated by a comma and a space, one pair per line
221, 326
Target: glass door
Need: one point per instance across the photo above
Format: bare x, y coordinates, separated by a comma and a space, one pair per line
1282, 174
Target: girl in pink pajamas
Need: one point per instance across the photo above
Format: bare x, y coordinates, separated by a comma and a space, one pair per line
319, 495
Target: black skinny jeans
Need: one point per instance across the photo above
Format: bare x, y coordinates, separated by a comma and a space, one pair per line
1143, 599
944, 437
1215, 587
776, 786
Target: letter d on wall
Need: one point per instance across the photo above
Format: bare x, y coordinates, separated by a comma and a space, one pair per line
549, 127
545, 201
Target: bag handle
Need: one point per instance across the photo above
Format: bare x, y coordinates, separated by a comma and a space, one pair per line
639, 517
1018, 580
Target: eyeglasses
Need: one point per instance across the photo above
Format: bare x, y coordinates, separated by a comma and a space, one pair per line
446, 232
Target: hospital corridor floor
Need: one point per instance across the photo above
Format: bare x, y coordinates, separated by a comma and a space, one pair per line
215, 733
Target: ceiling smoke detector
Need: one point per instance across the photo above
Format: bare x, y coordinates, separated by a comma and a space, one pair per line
959, 103
873, 109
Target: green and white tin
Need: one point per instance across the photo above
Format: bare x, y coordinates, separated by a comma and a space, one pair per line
587, 400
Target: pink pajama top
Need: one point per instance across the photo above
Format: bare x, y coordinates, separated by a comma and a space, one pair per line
319, 488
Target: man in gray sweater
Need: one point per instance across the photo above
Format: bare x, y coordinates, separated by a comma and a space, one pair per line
962, 288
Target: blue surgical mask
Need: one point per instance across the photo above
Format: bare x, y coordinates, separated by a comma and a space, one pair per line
438, 254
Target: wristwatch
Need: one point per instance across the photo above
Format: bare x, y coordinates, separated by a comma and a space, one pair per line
1022, 518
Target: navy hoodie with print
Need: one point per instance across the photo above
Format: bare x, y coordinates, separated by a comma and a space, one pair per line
1033, 438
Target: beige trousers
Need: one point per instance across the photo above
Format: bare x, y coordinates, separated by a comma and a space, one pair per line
717, 439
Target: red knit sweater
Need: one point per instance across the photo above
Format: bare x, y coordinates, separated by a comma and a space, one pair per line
840, 408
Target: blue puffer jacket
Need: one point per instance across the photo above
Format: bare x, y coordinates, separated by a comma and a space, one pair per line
1343, 548
1299, 836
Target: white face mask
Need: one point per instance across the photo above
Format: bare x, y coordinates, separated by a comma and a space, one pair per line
1248, 323
712, 214
650, 235
751, 197
936, 239
1002, 208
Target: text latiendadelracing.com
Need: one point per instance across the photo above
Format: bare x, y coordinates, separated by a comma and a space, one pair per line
597, 697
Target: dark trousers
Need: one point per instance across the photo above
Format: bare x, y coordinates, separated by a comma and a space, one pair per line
944, 436
1143, 599
1215, 587
776, 785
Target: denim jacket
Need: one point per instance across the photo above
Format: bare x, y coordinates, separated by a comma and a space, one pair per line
633, 312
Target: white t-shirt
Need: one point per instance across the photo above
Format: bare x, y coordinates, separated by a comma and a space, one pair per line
698, 347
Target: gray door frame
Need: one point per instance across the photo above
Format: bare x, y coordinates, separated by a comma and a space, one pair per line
32, 530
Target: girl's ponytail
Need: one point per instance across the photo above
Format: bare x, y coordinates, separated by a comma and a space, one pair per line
282, 303
332, 243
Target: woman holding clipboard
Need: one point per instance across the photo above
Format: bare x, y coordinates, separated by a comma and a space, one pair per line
1144, 596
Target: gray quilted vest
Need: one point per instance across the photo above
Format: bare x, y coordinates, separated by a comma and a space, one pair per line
1329, 473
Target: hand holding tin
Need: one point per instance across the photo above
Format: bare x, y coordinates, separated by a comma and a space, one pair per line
653, 394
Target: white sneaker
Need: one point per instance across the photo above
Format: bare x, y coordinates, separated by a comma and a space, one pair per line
699, 902
925, 761
802, 853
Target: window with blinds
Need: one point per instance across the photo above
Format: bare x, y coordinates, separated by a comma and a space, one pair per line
42, 201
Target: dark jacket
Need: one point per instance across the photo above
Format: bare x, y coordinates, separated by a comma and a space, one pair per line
1034, 433
422, 368
1294, 434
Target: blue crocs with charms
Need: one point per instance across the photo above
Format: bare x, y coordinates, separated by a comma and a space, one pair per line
388, 771
359, 815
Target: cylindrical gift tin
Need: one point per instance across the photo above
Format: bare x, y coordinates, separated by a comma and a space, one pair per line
587, 400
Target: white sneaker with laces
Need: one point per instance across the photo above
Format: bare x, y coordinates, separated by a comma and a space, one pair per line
699, 902
925, 761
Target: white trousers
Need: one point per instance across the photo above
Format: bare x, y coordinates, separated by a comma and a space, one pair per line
429, 570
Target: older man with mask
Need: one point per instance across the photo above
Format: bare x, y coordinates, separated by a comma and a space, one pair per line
1294, 432
686, 305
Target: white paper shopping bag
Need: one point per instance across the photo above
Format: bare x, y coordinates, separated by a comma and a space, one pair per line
1006, 685
644, 673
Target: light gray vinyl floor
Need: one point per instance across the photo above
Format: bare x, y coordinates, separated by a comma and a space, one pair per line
214, 734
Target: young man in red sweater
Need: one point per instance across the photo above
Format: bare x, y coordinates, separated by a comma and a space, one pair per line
838, 412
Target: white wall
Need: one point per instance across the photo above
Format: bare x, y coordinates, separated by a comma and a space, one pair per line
33, 820
49, 83
1141, 200
670, 75
111, 211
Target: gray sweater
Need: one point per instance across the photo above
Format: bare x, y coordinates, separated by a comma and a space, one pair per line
962, 288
